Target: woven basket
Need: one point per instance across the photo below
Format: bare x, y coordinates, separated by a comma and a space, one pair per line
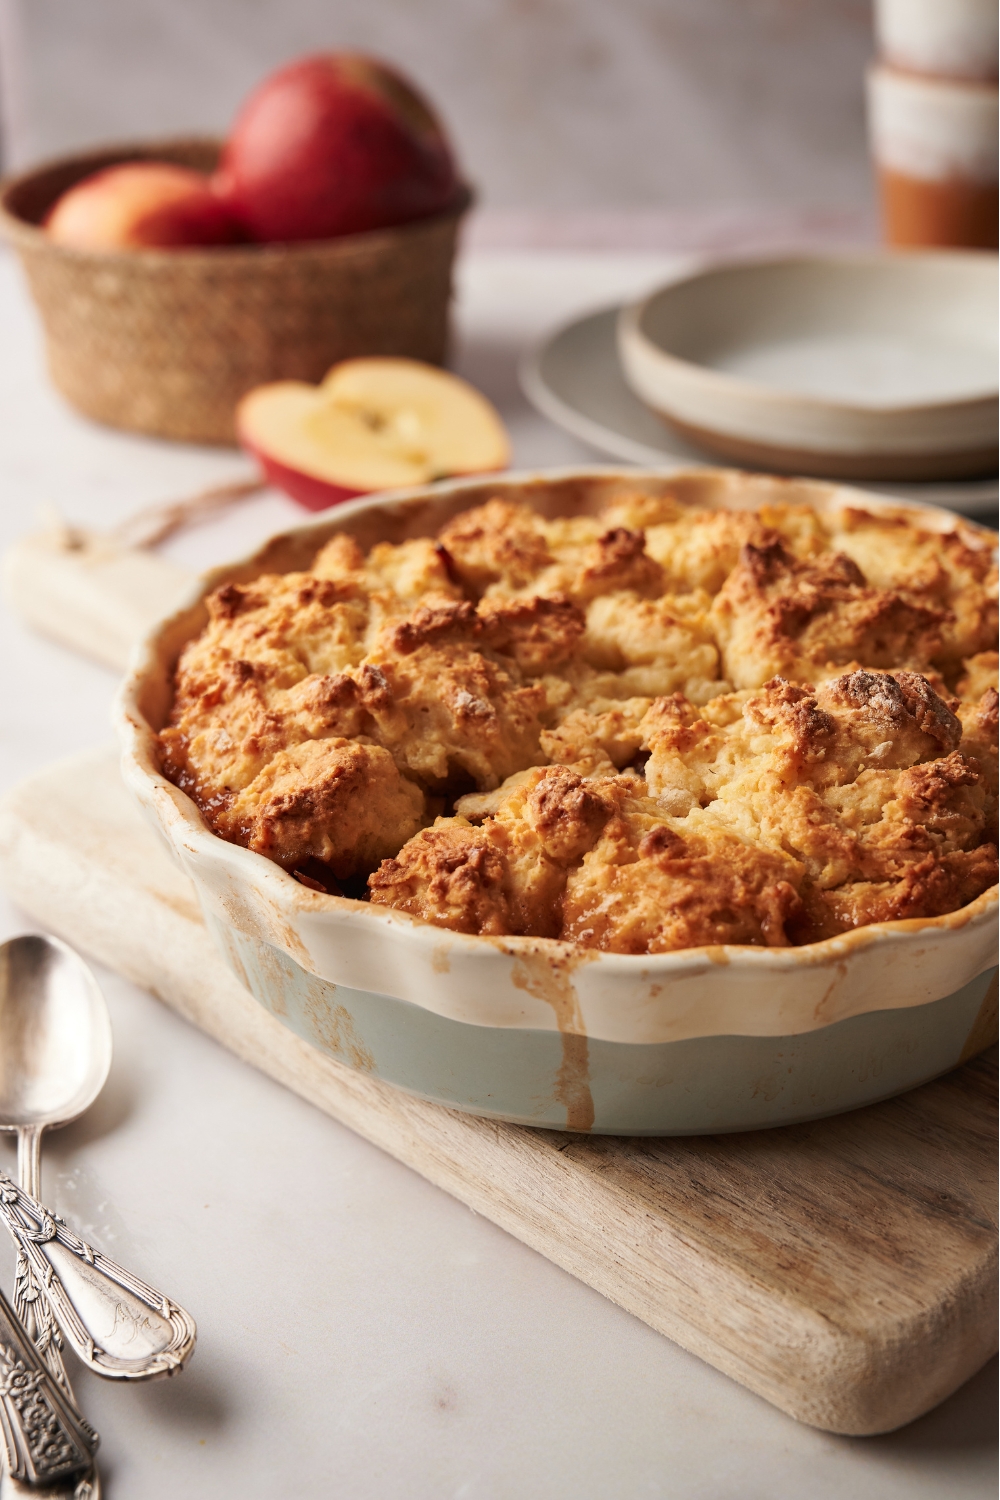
167, 341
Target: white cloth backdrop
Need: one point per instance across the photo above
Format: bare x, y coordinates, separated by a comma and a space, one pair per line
561, 105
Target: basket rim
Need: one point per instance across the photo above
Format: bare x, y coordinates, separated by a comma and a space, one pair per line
22, 234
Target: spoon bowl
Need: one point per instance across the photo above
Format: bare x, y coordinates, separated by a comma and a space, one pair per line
55, 1034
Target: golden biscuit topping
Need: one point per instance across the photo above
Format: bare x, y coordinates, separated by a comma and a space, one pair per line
654, 728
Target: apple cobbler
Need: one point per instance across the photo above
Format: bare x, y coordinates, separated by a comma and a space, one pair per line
650, 729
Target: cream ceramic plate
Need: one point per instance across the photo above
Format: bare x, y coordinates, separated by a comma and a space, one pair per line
575, 379
880, 366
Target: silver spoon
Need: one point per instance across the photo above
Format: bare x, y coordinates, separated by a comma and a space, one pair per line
47, 1447
30, 1305
55, 1052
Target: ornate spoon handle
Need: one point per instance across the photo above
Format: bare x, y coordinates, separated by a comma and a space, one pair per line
44, 1437
30, 1302
35, 1312
119, 1326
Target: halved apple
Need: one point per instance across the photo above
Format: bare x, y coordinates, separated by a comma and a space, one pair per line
372, 424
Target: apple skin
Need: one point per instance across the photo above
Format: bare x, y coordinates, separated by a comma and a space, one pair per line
142, 205
331, 145
314, 494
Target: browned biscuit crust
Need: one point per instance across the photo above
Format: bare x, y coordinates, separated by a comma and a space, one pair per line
649, 729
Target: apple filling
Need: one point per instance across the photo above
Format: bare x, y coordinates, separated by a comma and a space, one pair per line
649, 729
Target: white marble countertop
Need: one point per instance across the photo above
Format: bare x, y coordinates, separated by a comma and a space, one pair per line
361, 1334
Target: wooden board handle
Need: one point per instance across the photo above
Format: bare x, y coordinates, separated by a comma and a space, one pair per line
89, 592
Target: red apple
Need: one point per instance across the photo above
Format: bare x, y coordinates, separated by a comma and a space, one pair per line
373, 424
141, 204
331, 145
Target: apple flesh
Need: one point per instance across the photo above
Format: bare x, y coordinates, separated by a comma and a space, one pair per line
373, 424
332, 145
141, 205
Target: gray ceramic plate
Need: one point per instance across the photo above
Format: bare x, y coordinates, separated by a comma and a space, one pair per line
575, 379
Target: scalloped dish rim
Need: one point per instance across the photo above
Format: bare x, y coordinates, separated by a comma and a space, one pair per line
540, 983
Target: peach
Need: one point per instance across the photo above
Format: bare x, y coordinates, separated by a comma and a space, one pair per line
331, 145
141, 205
372, 424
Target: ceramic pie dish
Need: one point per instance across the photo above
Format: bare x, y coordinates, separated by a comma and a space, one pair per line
537, 1031
856, 367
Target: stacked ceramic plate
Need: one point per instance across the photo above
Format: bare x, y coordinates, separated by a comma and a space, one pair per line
877, 367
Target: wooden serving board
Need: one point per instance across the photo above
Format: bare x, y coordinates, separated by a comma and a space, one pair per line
845, 1270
